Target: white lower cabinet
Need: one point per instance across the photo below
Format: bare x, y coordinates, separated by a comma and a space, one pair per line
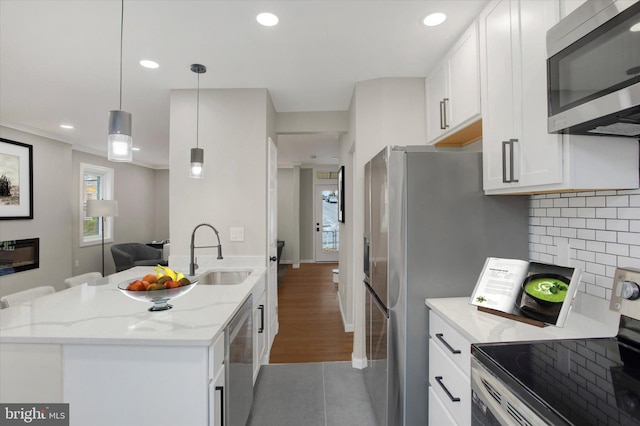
438, 414
449, 372
216, 382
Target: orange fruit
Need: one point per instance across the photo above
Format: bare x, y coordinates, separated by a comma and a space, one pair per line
150, 278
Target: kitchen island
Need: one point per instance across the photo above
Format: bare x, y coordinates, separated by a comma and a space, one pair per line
111, 359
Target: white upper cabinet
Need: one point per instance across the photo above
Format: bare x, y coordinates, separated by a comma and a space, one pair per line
519, 155
453, 89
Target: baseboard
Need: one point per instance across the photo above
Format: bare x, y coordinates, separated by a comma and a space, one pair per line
307, 261
286, 262
296, 265
358, 363
348, 328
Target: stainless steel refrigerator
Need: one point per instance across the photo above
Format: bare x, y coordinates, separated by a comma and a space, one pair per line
428, 230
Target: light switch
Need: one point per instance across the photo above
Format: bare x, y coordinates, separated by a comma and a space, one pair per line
237, 234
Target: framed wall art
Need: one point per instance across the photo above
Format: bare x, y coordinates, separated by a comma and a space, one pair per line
16, 180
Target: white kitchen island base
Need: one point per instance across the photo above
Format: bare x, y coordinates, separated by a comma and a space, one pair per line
116, 363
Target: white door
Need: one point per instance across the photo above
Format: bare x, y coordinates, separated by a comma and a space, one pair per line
272, 242
327, 240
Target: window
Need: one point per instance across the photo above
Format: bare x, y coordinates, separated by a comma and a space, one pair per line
96, 183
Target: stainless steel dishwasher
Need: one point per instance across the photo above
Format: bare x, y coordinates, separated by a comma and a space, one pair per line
239, 365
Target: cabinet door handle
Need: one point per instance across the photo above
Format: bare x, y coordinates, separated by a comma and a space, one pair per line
221, 389
504, 162
446, 344
511, 142
261, 329
445, 101
451, 397
442, 115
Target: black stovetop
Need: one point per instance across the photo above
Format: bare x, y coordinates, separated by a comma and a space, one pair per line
582, 382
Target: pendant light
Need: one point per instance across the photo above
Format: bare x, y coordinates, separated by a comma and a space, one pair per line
197, 154
120, 140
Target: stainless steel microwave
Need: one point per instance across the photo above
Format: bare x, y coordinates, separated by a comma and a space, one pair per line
593, 70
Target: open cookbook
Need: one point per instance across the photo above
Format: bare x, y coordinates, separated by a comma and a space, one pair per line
519, 289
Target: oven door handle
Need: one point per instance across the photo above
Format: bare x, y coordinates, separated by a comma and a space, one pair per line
453, 398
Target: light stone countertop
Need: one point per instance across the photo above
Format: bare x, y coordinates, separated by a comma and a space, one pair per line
483, 327
98, 313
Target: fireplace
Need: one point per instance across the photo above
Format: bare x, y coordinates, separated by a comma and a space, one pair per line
19, 255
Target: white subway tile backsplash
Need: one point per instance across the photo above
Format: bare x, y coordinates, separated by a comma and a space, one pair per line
561, 222
577, 202
629, 238
586, 212
561, 202
596, 224
618, 249
629, 213
577, 222
617, 225
618, 201
603, 229
608, 236
587, 234
597, 246
596, 201
546, 202
607, 212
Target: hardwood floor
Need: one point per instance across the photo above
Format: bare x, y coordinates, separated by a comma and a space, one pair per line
311, 328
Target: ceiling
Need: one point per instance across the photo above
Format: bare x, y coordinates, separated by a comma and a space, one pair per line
59, 60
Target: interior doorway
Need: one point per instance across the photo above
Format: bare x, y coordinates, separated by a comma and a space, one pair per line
327, 230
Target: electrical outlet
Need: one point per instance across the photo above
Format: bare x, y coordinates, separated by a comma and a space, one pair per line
237, 234
76, 263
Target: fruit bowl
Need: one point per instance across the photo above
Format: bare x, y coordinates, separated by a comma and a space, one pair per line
159, 298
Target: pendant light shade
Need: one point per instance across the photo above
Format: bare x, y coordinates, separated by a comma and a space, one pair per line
196, 171
197, 163
120, 139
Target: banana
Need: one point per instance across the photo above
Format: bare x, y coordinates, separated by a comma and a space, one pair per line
179, 276
169, 272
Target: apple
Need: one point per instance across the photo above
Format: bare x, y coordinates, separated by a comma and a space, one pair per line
137, 285
172, 284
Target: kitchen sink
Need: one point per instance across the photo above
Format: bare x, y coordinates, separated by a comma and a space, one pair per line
216, 277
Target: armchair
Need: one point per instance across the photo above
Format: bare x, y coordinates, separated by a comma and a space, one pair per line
128, 255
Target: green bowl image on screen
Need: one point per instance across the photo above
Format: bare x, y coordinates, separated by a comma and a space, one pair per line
546, 288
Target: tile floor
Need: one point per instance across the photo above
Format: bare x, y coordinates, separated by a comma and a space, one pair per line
311, 394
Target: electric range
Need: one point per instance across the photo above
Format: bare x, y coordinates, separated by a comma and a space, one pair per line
564, 382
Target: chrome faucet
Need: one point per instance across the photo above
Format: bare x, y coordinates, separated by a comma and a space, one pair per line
192, 264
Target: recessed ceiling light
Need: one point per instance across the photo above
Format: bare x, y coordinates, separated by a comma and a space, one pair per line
149, 64
135, 149
635, 27
434, 19
267, 19
66, 126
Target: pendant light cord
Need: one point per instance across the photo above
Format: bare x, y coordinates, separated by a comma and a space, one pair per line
121, 37
198, 111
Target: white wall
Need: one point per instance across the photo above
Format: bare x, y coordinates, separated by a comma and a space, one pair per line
162, 205
138, 210
595, 231
307, 235
56, 177
52, 214
387, 111
286, 231
234, 126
